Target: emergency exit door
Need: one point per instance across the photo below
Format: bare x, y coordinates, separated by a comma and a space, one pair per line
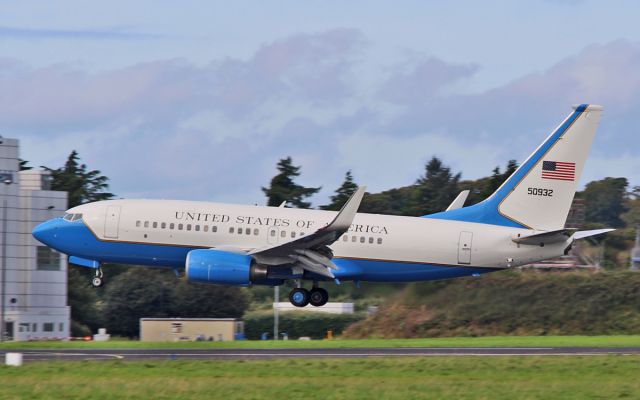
112, 222
464, 247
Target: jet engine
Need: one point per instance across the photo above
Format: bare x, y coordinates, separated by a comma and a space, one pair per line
223, 267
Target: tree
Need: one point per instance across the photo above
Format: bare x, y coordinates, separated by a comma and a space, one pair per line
82, 186
436, 189
24, 165
135, 294
605, 201
196, 300
283, 188
343, 193
497, 178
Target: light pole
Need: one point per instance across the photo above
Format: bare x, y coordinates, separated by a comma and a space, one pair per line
7, 181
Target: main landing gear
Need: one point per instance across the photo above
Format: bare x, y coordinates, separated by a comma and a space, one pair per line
97, 281
300, 297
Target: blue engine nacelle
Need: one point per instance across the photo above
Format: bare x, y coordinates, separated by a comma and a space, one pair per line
222, 267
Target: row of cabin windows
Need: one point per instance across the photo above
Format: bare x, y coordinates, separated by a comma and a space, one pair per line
164, 225
363, 239
245, 231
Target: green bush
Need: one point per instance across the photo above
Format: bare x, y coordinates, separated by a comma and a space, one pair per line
298, 323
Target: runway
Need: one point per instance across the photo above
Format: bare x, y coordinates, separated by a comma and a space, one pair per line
254, 354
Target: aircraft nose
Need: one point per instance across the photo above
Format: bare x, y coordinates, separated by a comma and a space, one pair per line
45, 232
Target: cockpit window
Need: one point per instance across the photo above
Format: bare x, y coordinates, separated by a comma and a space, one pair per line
72, 217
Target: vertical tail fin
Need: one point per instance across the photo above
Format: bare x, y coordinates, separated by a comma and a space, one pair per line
539, 193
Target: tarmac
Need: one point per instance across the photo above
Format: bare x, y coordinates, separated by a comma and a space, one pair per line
255, 354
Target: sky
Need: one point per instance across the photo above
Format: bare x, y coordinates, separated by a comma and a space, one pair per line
200, 99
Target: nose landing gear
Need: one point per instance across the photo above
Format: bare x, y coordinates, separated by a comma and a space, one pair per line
300, 297
97, 281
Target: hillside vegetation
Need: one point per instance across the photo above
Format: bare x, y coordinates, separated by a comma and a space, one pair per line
511, 303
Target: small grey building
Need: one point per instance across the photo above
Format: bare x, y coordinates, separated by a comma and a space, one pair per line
33, 277
190, 329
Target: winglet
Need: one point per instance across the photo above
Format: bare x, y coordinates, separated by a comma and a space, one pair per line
459, 201
343, 220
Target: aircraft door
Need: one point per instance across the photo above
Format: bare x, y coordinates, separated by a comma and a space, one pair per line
273, 235
464, 247
112, 222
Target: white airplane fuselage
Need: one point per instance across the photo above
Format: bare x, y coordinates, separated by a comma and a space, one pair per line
375, 248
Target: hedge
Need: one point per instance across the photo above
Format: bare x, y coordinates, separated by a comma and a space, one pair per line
298, 323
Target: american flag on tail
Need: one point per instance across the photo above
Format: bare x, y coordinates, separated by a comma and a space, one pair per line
559, 170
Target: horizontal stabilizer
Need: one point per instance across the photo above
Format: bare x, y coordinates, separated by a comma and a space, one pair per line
557, 236
459, 201
547, 237
584, 234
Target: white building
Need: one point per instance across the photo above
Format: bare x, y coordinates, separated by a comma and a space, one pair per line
33, 278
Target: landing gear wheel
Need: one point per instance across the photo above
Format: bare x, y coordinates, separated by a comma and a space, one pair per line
318, 297
299, 297
97, 281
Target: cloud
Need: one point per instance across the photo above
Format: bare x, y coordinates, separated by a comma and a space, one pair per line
9, 32
173, 129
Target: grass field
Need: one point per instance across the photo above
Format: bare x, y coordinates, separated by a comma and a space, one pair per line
599, 377
493, 341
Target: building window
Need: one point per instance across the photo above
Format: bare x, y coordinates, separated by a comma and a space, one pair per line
47, 327
47, 259
61, 326
34, 327
23, 327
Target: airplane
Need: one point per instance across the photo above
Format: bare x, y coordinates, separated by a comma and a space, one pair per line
522, 222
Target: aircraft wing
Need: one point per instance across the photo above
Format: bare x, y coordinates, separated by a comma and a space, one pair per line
311, 252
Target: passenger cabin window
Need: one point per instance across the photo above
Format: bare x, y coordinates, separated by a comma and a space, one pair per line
239, 231
172, 225
231, 229
283, 234
353, 239
188, 227
214, 229
272, 232
247, 231
293, 234
370, 240
361, 239
345, 238
163, 225
256, 231
155, 225
205, 228
146, 224
379, 240
180, 226
138, 224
